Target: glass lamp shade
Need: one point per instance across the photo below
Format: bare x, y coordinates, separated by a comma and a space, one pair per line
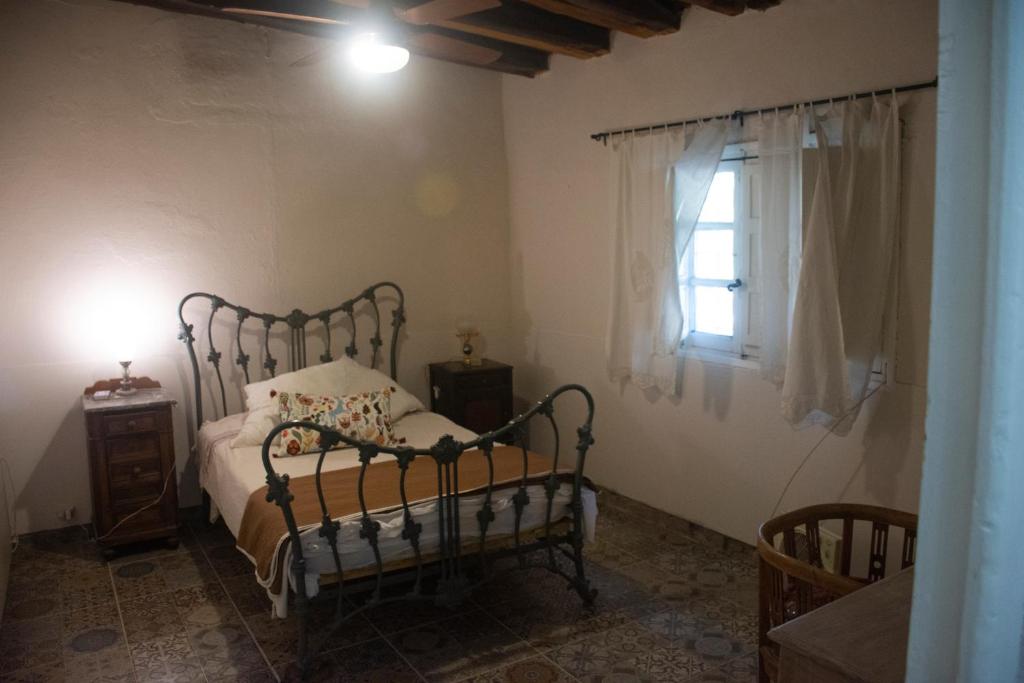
371, 54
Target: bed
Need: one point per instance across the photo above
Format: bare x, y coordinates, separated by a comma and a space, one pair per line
433, 500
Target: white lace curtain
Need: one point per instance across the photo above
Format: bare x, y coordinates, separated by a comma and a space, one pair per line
826, 276
847, 262
661, 180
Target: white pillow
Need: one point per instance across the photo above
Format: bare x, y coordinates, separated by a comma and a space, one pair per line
361, 378
316, 379
340, 377
257, 425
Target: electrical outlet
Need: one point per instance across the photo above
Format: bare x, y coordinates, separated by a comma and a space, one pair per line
831, 549
831, 546
67, 514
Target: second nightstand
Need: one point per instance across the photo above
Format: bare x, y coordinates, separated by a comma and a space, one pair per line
477, 397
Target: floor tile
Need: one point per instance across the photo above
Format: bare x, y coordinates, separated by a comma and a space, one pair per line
279, 637
249, 597
151, 618
692, 646
106, 664
556, 623
184, 569
26, 603
86, 588
532, 670
52, 672
30, 643
79, 598
403, 614
739, 670
373, 661
460, 647
609, 555
204, 606
227, 650
138, 579
166, 658
90, 630
609, 655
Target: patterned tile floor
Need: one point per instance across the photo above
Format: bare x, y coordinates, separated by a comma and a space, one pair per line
677, 603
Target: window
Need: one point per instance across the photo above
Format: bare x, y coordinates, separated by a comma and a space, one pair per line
717, 281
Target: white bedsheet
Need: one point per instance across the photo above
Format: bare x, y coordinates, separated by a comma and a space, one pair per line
230, 475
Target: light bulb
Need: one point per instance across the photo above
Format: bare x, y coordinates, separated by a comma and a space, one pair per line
367, 53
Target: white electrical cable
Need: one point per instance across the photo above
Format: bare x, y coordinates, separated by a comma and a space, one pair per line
807, 457
145, 507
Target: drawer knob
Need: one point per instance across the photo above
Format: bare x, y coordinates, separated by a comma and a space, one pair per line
137, 470
131, 425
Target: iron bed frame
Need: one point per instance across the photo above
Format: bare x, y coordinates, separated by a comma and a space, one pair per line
459, 571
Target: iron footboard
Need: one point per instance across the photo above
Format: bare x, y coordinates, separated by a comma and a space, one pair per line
459, 572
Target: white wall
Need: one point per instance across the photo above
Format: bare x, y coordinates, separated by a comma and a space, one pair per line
144, 155
721, 454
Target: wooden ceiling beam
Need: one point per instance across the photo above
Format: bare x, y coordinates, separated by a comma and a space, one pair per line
642, 18
518, 60
515, 59
762, 4
523, 24
302, 10
733, 8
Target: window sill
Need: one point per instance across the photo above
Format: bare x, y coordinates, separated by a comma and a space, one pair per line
720, 357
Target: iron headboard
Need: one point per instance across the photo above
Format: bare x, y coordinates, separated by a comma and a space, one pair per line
296, 323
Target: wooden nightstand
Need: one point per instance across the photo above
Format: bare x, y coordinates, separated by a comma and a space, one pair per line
131, 464
478, 397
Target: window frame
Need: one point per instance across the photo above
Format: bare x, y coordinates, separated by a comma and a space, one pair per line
702, 342
742, 349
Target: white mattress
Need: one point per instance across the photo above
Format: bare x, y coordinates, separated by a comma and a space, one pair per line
230, 475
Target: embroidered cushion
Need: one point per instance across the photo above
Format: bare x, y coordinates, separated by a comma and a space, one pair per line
341, 377
365, 416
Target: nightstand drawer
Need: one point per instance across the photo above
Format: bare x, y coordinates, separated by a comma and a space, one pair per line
125, 474
132, 423
483, 380
125, 449
152, 517
145, 489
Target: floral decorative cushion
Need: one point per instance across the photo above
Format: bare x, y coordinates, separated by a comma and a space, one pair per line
365, 416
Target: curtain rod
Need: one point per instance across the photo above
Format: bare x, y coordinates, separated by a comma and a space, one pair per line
740, 113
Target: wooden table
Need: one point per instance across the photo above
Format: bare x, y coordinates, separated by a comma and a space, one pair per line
860, 638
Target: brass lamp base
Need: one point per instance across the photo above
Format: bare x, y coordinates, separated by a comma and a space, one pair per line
126, 388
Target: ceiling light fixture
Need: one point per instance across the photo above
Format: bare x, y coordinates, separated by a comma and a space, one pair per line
372, 54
